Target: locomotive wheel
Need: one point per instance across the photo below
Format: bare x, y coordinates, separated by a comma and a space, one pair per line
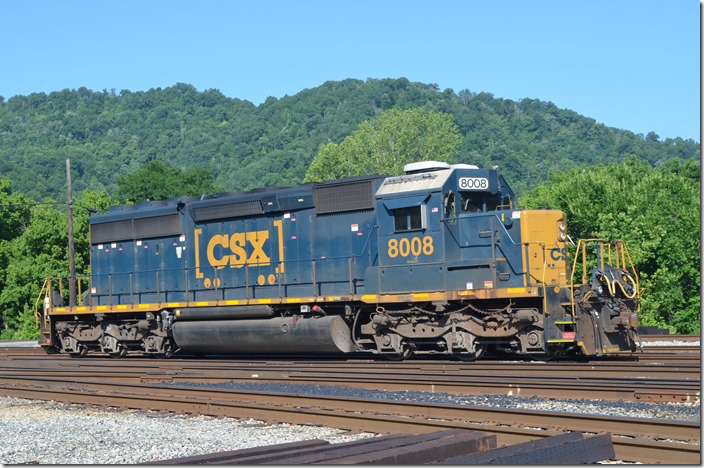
81, 353
168, 349
405, 354
51, 350
479, 350
551, 355
119, 354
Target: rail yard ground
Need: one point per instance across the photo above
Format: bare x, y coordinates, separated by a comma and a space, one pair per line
56, 433
50, 432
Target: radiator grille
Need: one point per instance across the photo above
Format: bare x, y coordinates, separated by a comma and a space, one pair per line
228, 210
348, 196
130, 229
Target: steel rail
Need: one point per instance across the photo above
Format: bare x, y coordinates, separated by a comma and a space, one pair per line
546, 380
634, 439
685, 372
685, 354
684, 338
508, 368
544, 388
676, 375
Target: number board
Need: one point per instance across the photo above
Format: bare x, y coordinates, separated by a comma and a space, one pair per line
473, 183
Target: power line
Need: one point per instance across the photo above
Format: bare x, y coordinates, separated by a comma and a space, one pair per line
87, 208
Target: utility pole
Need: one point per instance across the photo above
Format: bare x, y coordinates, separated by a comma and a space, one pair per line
71, 260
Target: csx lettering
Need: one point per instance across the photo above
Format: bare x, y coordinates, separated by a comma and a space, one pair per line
558, 255
224, 249
414, 246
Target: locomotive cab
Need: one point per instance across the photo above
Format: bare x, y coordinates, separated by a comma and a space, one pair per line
452, 234
494, 277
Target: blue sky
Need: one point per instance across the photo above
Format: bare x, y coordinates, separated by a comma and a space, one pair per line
629, 64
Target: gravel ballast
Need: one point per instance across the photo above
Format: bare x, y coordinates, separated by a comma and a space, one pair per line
56, 433
632, 409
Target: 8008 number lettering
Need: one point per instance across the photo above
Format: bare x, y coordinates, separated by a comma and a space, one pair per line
414, 246
473, 183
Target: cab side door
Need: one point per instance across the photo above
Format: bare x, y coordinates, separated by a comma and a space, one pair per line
410, 244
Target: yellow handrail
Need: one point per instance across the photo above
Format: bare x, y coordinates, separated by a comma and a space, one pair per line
620, 255
42, 294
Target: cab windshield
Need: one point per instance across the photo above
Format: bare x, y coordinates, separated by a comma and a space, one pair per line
478, 202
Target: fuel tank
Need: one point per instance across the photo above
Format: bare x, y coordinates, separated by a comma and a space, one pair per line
328, 334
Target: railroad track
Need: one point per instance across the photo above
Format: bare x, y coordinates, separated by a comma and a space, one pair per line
543, 387
634, 439
140, 383
681, 338
689, 351
220, 368
603, 380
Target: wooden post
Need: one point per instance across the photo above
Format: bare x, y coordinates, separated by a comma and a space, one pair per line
71, 259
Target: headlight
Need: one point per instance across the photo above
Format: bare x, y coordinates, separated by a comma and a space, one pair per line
562, 227
562, 236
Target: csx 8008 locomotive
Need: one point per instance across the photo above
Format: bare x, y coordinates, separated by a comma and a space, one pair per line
436, 261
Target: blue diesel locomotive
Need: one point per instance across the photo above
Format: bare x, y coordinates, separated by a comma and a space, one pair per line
436, 261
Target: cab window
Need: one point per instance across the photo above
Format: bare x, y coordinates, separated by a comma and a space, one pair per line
471, 202
480, 202
410, 218
449, 205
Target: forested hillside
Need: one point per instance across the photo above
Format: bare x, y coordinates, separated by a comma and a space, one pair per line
107, 134
162, 143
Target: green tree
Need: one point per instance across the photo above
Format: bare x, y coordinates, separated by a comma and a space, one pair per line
386, 143
14, 212
105, 134
40, 251
15, 216
657, 213
159, 181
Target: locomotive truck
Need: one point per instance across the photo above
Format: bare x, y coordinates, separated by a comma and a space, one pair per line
436, 261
